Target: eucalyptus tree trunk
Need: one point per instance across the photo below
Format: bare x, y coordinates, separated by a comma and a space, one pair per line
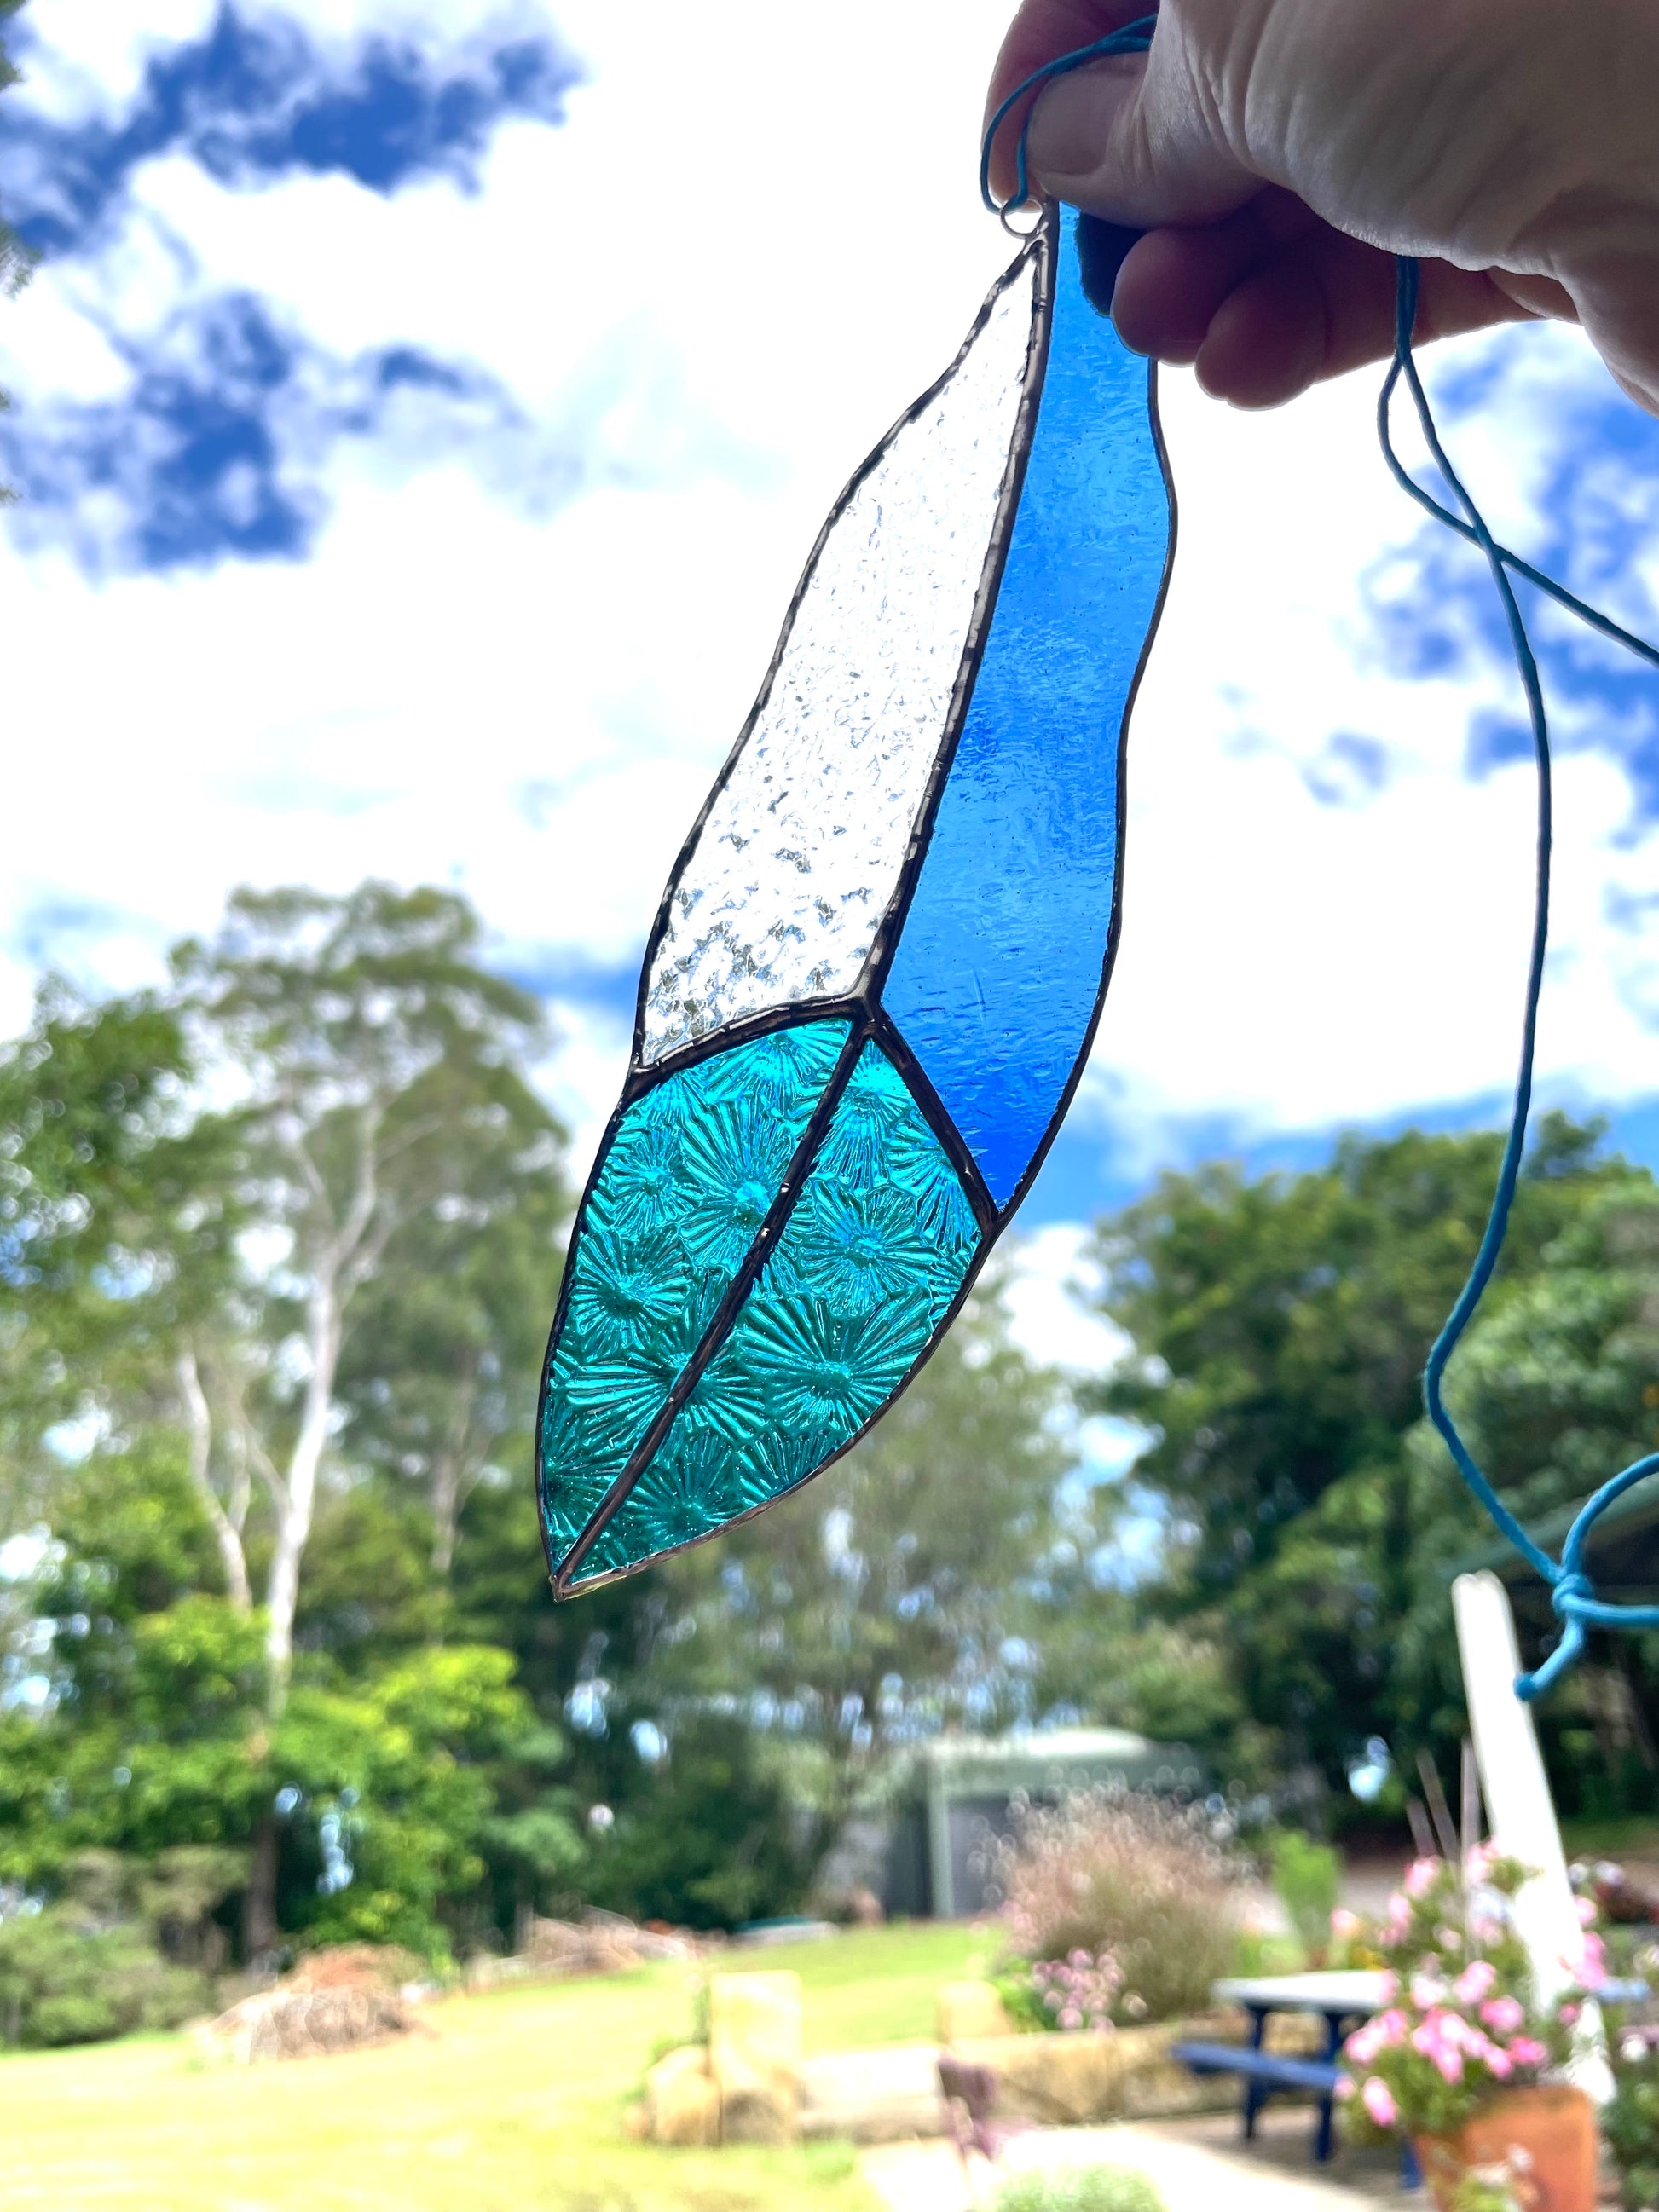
344, 1253
226, 1527
294, 1491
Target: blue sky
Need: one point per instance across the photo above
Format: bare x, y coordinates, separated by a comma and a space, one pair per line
423, 411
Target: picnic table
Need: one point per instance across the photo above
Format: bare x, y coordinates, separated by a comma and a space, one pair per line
1344, 2001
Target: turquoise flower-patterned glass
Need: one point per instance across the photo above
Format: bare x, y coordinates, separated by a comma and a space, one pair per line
879, 965
869, 1266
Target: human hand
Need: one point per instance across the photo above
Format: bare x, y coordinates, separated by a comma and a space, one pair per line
1278, 153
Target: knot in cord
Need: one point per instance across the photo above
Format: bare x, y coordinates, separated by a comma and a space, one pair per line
1569, 1595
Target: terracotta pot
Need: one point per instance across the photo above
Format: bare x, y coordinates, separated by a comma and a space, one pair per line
1542, 2142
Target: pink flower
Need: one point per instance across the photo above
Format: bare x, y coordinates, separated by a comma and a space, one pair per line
1504, 2014
1527, 2050
1428, 1990
1071, 2017
1585, 1907
1345, 2088
1475, 1981
1390, 1984
1449, 1939
1495, 2058
1378, 2100
1345, 1924
1421, 1876
1592, 1969
1363, 2044
1391, 2027
1482, 1860
1438, 2038
1569, 2015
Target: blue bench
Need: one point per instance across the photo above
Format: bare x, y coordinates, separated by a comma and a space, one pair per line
1263, 2072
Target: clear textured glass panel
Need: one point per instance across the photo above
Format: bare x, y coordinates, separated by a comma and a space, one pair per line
779, 901
690, 1177
995, 980
866, 1270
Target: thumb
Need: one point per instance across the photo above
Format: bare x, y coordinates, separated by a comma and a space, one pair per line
1134, 138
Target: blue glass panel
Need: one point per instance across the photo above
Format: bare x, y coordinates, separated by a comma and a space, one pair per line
996, 975
867, 1268
669, 1218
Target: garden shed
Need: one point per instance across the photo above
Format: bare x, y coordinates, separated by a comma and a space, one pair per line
963, 1792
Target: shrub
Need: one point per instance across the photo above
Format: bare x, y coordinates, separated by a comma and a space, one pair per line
1306, 1875
1136, 1885
1083, 2189
62, 1981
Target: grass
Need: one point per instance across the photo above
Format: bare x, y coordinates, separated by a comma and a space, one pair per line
1630, 1835
877, 1986
513, 2102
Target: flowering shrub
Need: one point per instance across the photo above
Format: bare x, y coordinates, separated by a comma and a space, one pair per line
1080, 1991
1117, 1908
1461, 2024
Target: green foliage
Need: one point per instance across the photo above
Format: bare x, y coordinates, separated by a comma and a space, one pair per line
712, 1846
1630, 2122
1306, 1878
395, 1794
63, 1982
1279, 1329
1079, 2189
276, 1250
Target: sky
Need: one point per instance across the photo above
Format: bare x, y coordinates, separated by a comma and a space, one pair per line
421, 413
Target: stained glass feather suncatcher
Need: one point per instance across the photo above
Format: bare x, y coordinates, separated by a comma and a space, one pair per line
878, 968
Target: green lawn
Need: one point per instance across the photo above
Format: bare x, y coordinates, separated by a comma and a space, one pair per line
513, 2102
1631, 1835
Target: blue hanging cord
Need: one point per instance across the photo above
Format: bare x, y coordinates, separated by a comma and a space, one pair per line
1572, 1593
1134, 39
1592, 616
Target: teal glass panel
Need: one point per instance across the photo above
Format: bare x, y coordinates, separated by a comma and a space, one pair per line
998, 971
870, 1263
669, 1217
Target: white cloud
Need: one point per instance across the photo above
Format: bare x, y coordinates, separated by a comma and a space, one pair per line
1051, 1281
755, 239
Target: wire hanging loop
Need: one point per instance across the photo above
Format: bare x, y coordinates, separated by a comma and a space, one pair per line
1134, 39
1572, 1592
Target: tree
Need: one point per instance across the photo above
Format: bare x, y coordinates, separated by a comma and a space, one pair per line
91, 1099
386, 1100
156, 1758
1279, 1329
290, 1300
438, 1376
